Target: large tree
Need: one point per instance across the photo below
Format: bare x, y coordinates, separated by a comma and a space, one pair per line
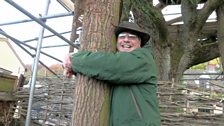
178, 47
91, 97
220, 32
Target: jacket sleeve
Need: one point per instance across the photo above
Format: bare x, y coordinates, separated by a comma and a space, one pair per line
119, 68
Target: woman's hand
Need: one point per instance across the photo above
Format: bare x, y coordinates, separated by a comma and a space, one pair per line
67, 66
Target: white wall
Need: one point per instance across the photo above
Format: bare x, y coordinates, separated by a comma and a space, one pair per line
9, 59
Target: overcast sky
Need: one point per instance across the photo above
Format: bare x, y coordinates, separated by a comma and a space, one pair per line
31, 30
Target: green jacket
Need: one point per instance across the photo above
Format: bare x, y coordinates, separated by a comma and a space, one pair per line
132, 76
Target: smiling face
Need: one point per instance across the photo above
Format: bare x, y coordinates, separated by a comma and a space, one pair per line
127, 42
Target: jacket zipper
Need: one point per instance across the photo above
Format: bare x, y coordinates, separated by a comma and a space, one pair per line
136, 105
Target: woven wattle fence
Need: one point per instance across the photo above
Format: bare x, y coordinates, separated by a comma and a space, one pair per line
52, 102
190, 105
180, 104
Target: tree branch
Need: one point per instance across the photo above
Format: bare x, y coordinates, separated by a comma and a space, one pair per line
220, 31
148, 11
189, 13
205, 53
206, 11
126, 8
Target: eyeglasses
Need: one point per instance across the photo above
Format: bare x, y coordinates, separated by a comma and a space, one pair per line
130, 36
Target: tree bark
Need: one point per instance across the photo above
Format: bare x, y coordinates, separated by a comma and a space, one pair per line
175, 54
194, 20
220, 30
151, 19
91, 97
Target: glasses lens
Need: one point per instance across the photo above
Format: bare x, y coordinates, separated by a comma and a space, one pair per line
130, 36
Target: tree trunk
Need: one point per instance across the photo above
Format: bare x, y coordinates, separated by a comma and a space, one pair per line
91, 97
220, 29
194, 20
174, 53
153, 22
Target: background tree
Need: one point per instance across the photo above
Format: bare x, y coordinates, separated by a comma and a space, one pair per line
57, 68
91, 97
178, 47
220, 32
41, 70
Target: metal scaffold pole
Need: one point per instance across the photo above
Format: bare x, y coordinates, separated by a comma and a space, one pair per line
41, 23
41, 18
34, 68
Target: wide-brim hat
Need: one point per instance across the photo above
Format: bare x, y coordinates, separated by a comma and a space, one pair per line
133, 28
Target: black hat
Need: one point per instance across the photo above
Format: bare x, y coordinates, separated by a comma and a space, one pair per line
134, 28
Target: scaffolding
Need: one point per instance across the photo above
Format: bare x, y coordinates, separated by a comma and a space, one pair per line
36, 57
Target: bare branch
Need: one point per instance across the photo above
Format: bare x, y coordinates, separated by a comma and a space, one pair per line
205, 53
126, 8
189, 13
149, 12
206, 11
